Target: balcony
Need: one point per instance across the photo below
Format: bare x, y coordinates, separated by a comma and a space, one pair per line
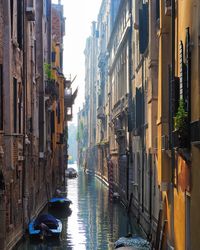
68, 83
51, 89
70, 97
181, 140
100, 113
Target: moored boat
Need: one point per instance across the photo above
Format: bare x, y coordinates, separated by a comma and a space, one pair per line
59, 202
71, 173
45, 225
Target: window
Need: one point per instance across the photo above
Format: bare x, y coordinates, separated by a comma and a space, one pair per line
2, 182
52, 122
1, 97
19, 107
143, 28
157, 9
30, 3
139, 108
11, 16
20, 23
58, 112
14, 105
53, 56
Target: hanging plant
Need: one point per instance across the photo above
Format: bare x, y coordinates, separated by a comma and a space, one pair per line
181, 118
181, 125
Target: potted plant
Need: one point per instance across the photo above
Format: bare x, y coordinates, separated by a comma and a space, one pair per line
181, 125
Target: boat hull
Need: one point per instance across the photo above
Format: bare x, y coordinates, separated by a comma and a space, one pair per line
37, 233
59, 203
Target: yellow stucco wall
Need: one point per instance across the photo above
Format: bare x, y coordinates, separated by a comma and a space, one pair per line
184, 15
195, 200
179, 219
59, 79
182, 184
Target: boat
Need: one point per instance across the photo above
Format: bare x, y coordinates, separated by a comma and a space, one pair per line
45, 225
59, 202
71, 173
134, 242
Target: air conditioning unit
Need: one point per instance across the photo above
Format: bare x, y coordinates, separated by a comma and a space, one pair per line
30, 14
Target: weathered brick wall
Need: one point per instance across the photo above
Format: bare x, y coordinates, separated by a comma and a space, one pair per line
56, 25
1, 31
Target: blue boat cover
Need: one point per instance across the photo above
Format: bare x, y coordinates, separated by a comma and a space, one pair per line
46, 219
59, 199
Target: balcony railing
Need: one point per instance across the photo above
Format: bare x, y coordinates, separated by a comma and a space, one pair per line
70, 97
51, 89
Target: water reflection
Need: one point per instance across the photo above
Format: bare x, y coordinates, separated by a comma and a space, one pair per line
94, 222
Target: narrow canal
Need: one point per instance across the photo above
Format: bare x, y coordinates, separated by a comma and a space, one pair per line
95, 223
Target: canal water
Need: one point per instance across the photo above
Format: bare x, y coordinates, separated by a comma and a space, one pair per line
94, 223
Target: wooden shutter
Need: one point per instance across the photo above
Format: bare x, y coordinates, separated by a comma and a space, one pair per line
143, 28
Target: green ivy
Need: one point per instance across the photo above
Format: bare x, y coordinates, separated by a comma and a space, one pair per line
181, 118
47, 71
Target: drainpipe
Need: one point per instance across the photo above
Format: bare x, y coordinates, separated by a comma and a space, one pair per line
171, 118
129, 153
25, 153
142, 133
49, 32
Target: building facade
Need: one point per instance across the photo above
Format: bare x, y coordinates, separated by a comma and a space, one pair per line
33, 112
178, 114
102, 136
143, 115
147, 129
119, 82
91, 96
12, 117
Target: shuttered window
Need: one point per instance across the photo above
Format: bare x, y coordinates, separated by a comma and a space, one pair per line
58, 112
143, 28
52, 122
157, 9
20, 23
53, 56
139, 108
15, 105
11, 16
